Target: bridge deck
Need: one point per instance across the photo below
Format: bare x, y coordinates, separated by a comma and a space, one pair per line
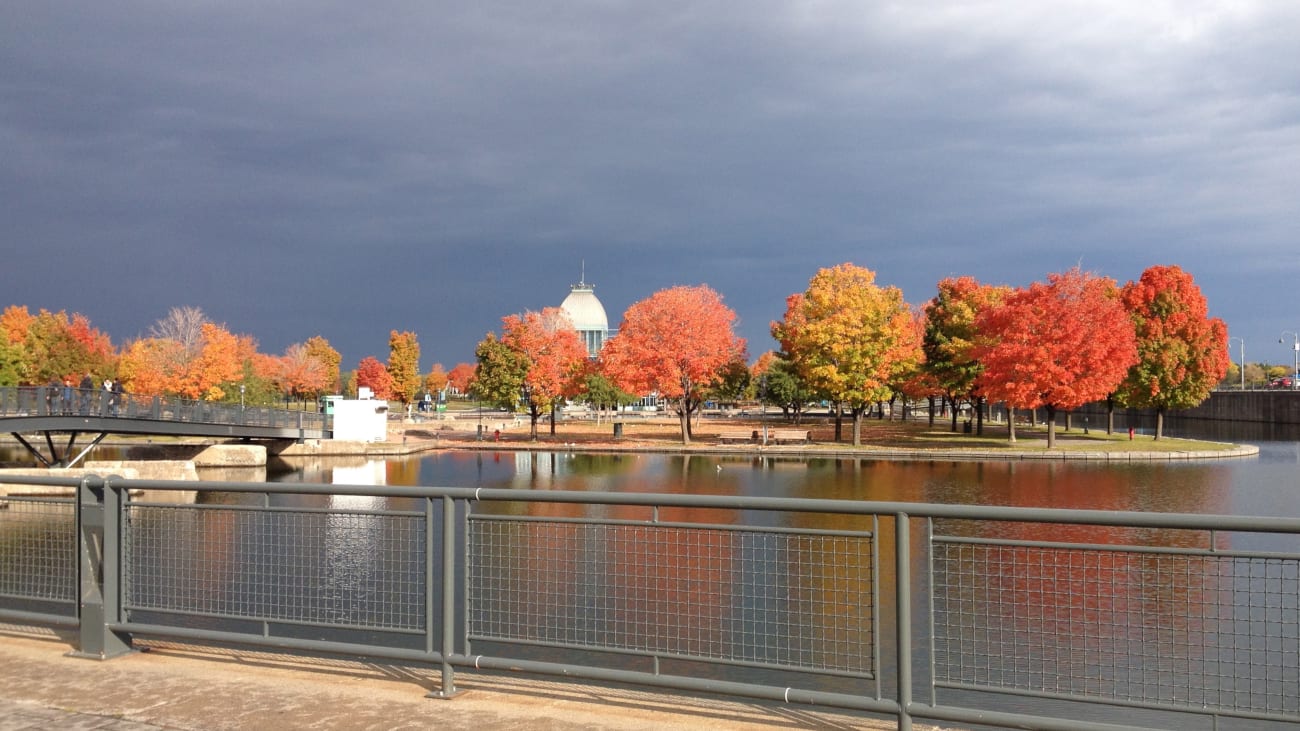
49, 410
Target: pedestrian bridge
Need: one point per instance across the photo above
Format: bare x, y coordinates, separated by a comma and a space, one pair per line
61, 417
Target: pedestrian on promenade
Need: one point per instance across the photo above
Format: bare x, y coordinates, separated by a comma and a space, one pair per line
67, 396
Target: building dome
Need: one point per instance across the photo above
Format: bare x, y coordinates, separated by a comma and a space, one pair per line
588, 316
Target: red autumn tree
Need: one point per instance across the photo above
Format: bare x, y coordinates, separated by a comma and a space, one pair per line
1182, 351
673, 343
1058, 345
373, 375
554, 356
461, 376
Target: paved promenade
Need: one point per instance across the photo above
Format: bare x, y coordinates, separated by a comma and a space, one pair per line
174, 686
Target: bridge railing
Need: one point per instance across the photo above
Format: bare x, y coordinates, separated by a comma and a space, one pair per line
59, 401
970, 614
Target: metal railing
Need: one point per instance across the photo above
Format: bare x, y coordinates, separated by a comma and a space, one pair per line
1003, 616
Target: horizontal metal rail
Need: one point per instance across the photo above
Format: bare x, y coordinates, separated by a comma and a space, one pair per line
1181, 614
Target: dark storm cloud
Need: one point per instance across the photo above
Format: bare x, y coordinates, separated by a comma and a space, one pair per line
330, 168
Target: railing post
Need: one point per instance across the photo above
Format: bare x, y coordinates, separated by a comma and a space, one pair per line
448, 689
99, 533
903, 593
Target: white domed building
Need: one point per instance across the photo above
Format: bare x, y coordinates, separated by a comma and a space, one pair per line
588, 316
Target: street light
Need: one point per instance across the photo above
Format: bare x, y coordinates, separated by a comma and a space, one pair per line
1243, 360
1295, 346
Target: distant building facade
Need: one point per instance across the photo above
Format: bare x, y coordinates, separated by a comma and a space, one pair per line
588, 316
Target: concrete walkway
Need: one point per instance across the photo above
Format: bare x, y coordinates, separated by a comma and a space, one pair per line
176, 686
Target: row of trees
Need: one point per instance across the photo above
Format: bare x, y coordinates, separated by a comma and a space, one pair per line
845, 340
1074, 339
184, 354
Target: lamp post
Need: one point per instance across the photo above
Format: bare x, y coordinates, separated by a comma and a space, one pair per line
1243, 360
1295, 346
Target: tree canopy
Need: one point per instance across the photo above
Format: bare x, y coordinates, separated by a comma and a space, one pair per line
848, 338
1058, 345
1182, 352
674, 343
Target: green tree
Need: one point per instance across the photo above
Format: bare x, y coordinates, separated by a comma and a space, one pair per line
951, 336
783, 387
11, 361
601, 393
500, 375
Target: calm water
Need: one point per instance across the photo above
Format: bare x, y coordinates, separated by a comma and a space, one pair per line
1268, 484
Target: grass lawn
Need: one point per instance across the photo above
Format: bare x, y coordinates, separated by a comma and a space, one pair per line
876, 435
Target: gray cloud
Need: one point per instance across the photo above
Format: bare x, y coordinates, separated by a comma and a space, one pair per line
327, 168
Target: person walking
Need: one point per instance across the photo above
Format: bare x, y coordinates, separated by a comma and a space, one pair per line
118, 392
87, 388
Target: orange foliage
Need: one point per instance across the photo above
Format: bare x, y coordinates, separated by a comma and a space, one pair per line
675, 343
1058, 345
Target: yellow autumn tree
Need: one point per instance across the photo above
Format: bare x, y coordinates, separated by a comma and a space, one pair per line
849, 338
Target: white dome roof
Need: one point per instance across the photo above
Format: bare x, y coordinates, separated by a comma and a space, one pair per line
585, 310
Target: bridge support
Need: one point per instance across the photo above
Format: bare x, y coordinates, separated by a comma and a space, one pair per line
55, 459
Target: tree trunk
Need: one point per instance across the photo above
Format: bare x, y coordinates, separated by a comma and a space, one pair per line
685, 420
979, 416
1051, 426
1011, 424
839, 422
858, 412
1160, 423
1110, 415
554, 410
952, 400
931, 401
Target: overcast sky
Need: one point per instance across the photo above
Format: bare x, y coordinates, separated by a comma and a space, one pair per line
345, 169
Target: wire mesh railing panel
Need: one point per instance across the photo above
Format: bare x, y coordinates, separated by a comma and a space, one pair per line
784, 600
352, 569
38, 549
1193, 630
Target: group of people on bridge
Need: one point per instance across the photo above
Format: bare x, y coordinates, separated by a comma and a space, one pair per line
85, 398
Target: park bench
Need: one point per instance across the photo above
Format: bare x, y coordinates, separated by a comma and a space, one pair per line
789, 436
738, 436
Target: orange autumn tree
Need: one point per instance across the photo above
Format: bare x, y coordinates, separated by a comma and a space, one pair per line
301, 373
320, 349
553, 355
435, 381
849, 338
674, 343
404, 366
461, 376
1058, 345
204, 369
374, 375
1182, 351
